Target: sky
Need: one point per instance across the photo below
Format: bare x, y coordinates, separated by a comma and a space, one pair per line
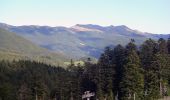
144, 15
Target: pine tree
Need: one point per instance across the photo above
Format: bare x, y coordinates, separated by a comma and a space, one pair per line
161, 68
119, 60
107, 72
132, 82
168, 45
147, 54
161, 62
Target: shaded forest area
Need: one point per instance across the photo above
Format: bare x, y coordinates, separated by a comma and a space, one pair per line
126, 72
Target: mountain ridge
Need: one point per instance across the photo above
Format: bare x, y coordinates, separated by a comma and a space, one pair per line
91, 26
80, 40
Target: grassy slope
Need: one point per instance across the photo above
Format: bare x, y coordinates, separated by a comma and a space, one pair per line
15, 47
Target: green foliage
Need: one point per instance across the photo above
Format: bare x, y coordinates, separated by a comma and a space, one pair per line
168, 45
132, 81
126, 72
33, 79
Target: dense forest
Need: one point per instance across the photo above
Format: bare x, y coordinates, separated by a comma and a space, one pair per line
124, 73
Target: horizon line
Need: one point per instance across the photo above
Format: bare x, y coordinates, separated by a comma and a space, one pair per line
41, 25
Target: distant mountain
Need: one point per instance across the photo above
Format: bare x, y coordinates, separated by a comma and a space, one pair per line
16, 47
80, 40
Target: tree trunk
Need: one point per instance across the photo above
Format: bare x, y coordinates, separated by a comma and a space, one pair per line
160, 88
116, 97
134, 96
36, 97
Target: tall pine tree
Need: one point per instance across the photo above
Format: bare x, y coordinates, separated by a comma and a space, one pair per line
119, 60
132, 82
147, 54
107, 73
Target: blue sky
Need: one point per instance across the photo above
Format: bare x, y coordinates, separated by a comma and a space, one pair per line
144, 15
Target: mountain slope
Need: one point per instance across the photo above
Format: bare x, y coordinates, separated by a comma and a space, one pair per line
15, 47
80, 40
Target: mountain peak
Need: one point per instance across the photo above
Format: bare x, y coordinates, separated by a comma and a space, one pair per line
77, 41
122, 27
88, 27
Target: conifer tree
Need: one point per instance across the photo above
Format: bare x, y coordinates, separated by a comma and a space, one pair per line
107, 72
147, 54
161, 63
119, 60
168, 45
132, 82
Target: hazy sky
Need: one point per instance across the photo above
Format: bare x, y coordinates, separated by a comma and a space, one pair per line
144, 15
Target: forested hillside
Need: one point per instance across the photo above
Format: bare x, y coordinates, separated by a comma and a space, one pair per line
123, 72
